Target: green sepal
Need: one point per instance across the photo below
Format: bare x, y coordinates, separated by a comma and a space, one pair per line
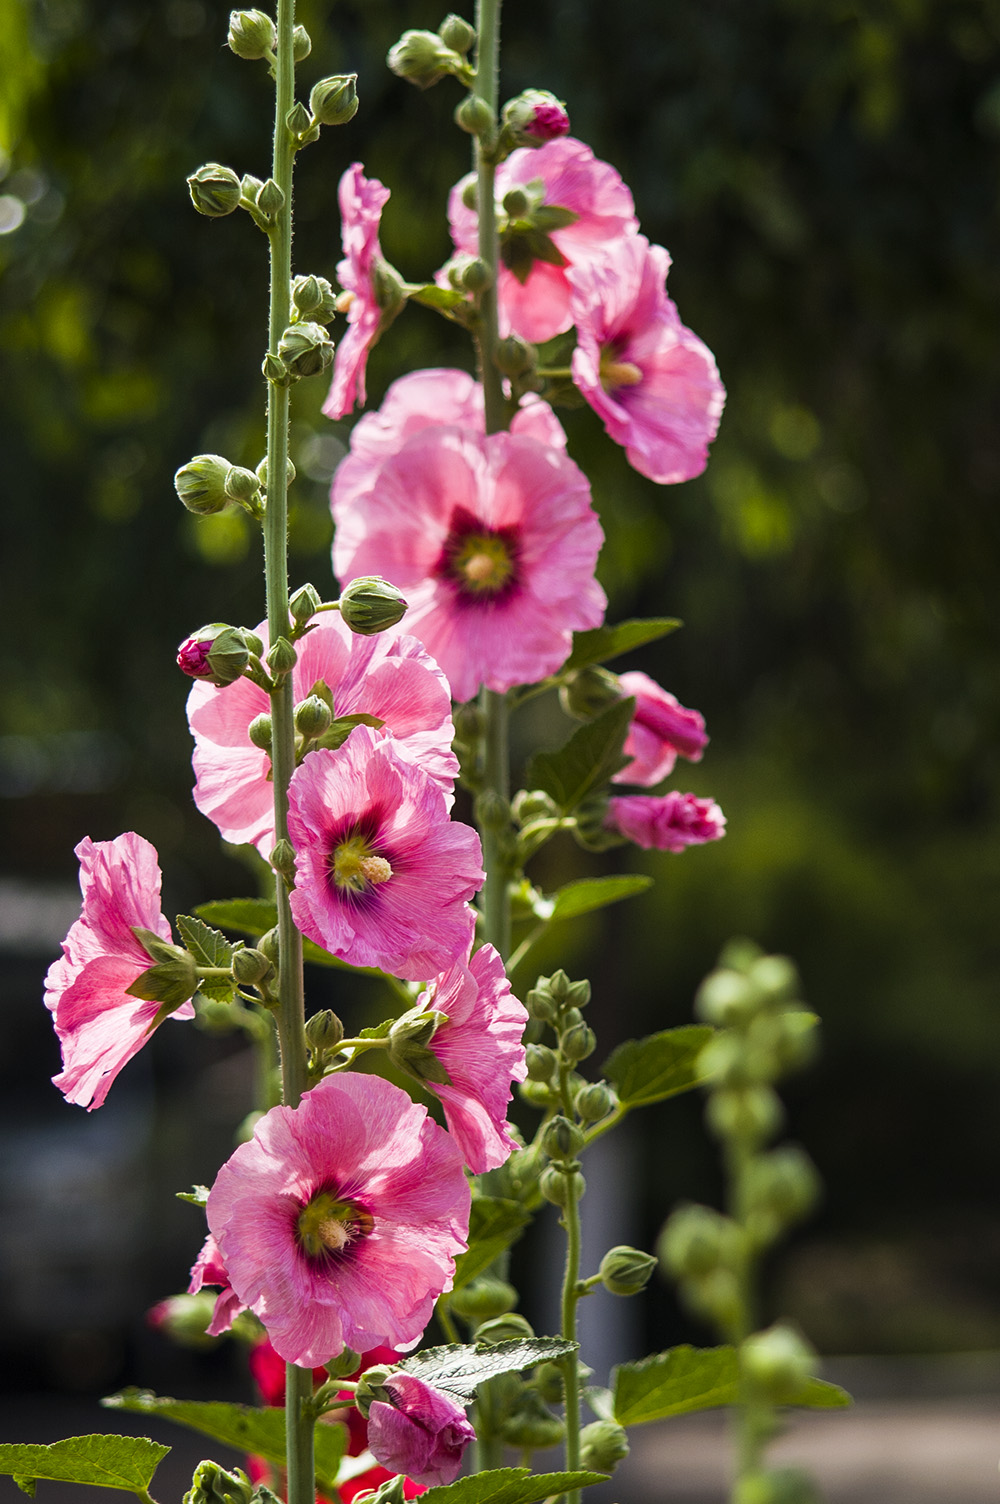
459, 1368
685, 1379
156, 948
522, 245
432, 296
494, 1224
659, 1066
510, 1485
602, 643
341, 729
549, 217
588, 760
197, 1195
169, 982
126, 1462
248, 1429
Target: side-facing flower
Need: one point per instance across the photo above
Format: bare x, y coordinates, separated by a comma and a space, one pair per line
661, 729
479, 1044
575, 207
493, 541
654, 383
361, 203
389, 676
339, 1222
383, 875
208, 1269
418, 1430
100, 1025
667, 821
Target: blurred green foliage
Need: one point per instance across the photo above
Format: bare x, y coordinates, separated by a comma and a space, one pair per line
825, 174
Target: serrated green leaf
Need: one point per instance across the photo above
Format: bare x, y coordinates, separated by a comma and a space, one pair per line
197, 1195
603, 643
255, 916
590, 758
494, 1224
261, 1430
208, 946
659, 1066
685, 1379
510, 1485
590, 893
461, 1367
433, 296
127, 1462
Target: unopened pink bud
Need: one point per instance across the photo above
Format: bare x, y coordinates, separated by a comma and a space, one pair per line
534, 117
192, 658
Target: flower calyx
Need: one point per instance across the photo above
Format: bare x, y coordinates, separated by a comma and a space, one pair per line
252, 35
408, 1045
305, 349
215, 190
171, 980
370, 604
217, 653
313, 298
334, 100
423, 58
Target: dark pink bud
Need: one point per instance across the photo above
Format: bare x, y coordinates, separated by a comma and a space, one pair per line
535, 117
661, 728
550, 121
418, 1430
192, 657
668, 822
218, 653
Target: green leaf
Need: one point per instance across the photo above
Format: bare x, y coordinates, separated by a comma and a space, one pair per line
608, 642
510, 1485
590, 758
261, 1431
433, 296
494, 1224
659, 1066
590, 893
197, 1195
209, 948
255, 916
127, 1462
460, 1368
692, 1378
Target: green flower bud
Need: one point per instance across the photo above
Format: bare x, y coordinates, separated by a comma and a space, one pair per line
215, 190
561, 1184
626, 1271
516, 1180
211, 1484
530, 1425
578, 994
217, 653
469, 194
334, 100
370, 604
778, 1362
241, 485
475, 276
562, 1139
508, 1328
422, 58
541, 1062
475, 116
533, 804
262, 472
577, 1043
304, 604
253, 642
251, 967
301, 44
727, 999
268, 946
283, 860
259, 732
590, 831
275, 370
775, 977
468, 723
484, 1299
550, 1383
314, 298
492, 812
201, 484
786, 1485
570, 1017
515, 203
306, 348
781, 1188
300, 125
696, 1240
250, 186
537, 1094
603, 1444
753, 1114
457, 33
540, 1003
344, 1363
270, 200
515, 357
589, 691
312, 717
595, 1100
185, 1319
782, 1041
251, 34
281, 656
558, 984
324, 1031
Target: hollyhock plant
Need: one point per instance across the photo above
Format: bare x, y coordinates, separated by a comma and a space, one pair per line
652, 382
661, 729
417, 1430
100, 1025
389, 676
480, 1047
339, 1222
361, 203
668, 822
576, 208
493, 541
383, 875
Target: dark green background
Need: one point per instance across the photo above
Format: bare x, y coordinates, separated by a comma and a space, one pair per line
825, 175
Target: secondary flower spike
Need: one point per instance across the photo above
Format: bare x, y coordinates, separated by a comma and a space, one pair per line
339, 1222
417, 1430
661, 729
492, 540
383, 876
654, 384
99, 1024
389, 676
670, 822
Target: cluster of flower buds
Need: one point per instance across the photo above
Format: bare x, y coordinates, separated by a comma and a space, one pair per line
210, 482
425, 57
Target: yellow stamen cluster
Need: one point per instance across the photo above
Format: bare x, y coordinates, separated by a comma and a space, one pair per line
484, 563
328, 1226
356, 867
615, 373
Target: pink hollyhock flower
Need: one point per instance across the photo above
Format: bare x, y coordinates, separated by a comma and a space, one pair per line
667, 821
493, 541
652, 382
388, 675
480, 1047
577, 208
661, 728
422, 399
361, 203
418, 1430
100, 1026
383, 875
339, 1222
208, 1269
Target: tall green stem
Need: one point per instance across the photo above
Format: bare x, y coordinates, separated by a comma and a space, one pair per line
570, 1300
752, 1418
291, 991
